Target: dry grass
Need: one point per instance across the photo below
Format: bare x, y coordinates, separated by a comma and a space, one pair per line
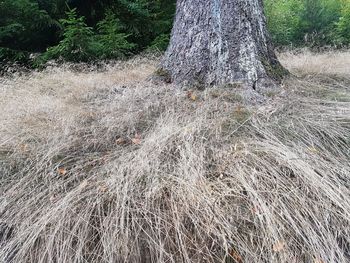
305, 62
108, 167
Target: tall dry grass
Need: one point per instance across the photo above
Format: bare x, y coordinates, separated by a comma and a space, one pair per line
110, 167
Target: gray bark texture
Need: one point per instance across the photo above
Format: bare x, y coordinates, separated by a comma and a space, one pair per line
221, 43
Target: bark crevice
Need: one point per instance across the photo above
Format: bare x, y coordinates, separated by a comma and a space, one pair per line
219, 43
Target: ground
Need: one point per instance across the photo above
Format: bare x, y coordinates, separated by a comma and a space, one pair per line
108, 166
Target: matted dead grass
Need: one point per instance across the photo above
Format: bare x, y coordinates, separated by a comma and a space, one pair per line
110, 167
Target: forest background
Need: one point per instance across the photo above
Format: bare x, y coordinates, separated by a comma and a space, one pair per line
33, 32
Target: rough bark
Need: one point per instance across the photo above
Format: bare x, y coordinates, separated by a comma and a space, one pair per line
221, 43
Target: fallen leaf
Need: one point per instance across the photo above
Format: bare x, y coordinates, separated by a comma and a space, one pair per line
191, 95
61, 171
279, 246
236, 256
137, 139
121, 141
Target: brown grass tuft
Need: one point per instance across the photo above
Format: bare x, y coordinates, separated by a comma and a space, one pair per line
108, 167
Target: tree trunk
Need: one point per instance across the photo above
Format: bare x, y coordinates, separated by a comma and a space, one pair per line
221, 43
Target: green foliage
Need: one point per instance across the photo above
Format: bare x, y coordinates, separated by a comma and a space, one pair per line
284, 20
307, 22
24, 29
10, 55
81, 43
100, 29
23, 26
142, 20
343, 25
109, 29
160, 43
145, 20
318, 18
77, 42
112, 43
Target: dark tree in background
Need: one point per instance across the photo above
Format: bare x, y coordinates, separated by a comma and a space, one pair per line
224, 28
223, 43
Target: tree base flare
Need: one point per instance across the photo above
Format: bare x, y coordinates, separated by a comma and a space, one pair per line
221, 43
